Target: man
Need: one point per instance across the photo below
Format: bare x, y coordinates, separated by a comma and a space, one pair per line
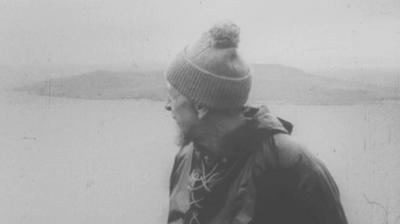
237, 164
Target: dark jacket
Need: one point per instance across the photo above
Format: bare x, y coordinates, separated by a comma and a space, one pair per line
274, 181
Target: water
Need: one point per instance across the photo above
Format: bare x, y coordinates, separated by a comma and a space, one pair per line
81, 161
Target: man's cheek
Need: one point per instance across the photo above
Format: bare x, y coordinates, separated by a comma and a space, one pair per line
186, 118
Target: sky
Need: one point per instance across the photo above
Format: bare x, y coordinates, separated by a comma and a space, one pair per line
308, 34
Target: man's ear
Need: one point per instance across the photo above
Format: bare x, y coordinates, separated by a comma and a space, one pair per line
201, 111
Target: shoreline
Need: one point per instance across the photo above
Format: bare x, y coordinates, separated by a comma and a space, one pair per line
251, 101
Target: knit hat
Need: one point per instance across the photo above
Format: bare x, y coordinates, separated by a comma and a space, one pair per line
210, 72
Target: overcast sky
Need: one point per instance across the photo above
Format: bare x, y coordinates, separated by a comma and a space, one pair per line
309, 34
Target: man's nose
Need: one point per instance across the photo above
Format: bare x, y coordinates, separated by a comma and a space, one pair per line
168, 106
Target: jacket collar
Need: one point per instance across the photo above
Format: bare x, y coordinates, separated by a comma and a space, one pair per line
262, 119
227, 136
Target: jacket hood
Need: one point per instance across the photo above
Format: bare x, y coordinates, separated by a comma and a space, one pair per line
262, 119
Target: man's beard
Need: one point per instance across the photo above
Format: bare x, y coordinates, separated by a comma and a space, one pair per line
184, 135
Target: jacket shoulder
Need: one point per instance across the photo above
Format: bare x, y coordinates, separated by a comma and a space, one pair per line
289, 152
304, 177
294, 156
283, 151
279, 150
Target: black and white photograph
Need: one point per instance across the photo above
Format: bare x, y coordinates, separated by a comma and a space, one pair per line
199, 112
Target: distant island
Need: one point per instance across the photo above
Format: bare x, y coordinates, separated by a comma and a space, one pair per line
271, 83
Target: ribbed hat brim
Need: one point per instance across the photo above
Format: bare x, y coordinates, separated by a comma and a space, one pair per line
206, 88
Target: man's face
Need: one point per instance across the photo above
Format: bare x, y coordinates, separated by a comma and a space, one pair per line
184, 113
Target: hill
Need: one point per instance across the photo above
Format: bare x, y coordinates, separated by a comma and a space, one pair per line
103, 85
287, 84
383, 77
271, 83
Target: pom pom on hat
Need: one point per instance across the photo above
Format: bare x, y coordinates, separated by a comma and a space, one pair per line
224, 35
